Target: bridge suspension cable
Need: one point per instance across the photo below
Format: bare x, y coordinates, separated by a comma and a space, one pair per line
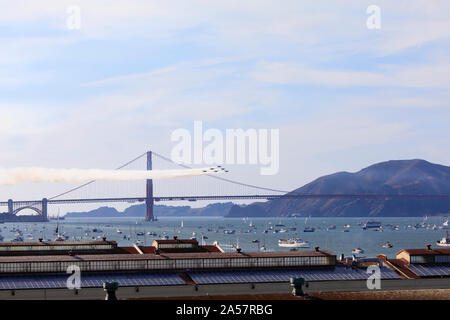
178, 164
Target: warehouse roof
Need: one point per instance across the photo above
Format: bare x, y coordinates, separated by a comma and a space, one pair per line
162, 256
430, 251
55, 243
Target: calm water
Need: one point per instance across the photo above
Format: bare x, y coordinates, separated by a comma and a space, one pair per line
336, 240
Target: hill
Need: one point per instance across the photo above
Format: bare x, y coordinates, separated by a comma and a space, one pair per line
215, 209
390, 177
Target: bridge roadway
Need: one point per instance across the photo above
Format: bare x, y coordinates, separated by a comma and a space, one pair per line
230, 197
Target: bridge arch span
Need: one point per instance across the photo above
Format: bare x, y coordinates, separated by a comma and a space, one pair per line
16, 211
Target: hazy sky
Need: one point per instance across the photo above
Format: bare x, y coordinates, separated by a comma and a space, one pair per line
343, 96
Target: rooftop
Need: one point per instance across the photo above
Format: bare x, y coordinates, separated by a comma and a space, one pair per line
132, 255
176, 241
55, 243
426, 251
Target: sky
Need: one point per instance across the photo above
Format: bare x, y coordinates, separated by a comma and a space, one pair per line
342, 96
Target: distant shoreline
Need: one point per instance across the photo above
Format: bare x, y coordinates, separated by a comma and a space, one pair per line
275, 218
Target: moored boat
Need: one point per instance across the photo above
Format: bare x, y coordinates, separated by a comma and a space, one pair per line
372, 224
445, 242
279, 224
293, 243
387, 245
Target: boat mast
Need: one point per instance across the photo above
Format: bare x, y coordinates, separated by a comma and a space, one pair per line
57, 224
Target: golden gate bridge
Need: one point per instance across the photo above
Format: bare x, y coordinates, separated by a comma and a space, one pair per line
41, 206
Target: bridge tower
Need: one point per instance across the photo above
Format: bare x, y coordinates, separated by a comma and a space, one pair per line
44, 209
10, 206
149, 191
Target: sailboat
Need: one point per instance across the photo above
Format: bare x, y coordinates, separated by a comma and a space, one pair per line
59, 237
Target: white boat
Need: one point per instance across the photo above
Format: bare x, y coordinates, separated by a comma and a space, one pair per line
293, 243
357, 251
60, 238
372, 224
229, 231
445, 224
387, 245
445, 242
346, 226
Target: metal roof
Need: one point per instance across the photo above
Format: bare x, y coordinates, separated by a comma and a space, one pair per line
55, 243
49, 281
421, 252
271, 275
175, 241
430, 270
165, 256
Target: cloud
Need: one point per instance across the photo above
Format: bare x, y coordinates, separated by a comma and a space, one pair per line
252, 24
414, 76
136, 70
